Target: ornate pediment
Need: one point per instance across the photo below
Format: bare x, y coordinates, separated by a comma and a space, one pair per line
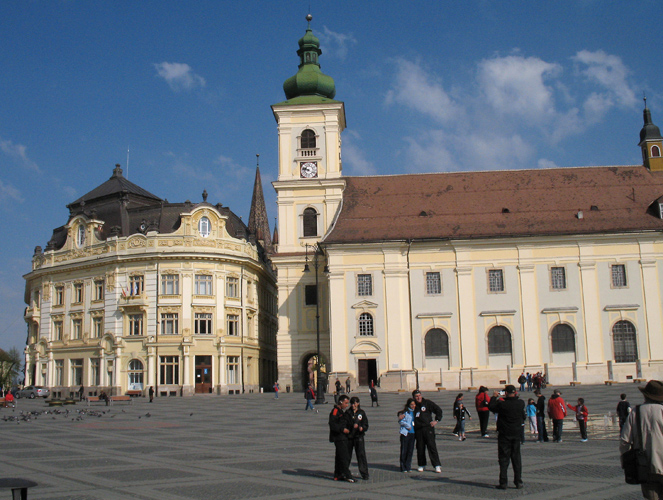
364, 347
365, 304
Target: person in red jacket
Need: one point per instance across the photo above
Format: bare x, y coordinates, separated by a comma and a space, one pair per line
581, 417
557, 412
481, 402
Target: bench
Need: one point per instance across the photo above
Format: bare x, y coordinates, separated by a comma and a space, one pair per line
121, 399
94, 399
574, 383
18, 486
135, 394
639, 380
55, 402
610, 382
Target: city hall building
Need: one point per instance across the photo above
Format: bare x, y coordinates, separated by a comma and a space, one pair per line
441, 280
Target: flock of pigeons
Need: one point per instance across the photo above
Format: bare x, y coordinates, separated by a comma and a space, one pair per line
76, 415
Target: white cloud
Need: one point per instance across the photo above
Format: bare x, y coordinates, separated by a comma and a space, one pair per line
336, 44
9, 193
608, 71
515, 85
18, 152
354, 158
179, 76
545, 163
419, 90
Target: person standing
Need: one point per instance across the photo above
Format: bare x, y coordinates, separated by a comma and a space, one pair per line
623, 409
359, 428
374, 395
340, 425
529, 381
454, 411
426, 416
510, 421
406, 423
310, 397
347, 385
461, 414
522, 380
481, 402
151, 393
541, 416
277, 387
651, 438
81, 391
557, 412
581, 417
531, 417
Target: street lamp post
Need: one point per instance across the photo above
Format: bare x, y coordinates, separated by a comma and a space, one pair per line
320, 393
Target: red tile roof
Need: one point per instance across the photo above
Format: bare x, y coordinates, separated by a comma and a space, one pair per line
498, 204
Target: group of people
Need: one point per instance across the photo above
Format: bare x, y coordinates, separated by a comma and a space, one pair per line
348, 424
531, 381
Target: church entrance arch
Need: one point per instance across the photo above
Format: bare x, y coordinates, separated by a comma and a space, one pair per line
310, 371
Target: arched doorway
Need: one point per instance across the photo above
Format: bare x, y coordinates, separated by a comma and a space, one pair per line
310, 372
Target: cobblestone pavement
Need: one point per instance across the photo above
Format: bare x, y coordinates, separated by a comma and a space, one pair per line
255, 446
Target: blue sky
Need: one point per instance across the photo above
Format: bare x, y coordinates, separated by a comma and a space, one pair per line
186, 86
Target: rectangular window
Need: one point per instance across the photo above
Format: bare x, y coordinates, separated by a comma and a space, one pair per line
311, 295
203, 323
59, 372
57, 330
203, 284
76, 372
232, 369
136, 284
59, 295
169, 370
99, 290
558, 278
170, 284
364, 284
495, 280
95, 371
232, 287
233, 325
76, 328
433, 283
135, 324
97, 326
619, 276
78, 293
169, 323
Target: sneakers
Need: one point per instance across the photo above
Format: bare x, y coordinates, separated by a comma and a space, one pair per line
438, 469
520, 486
501, 486
464, 438
455, 434
460, 439
420, 469
583, 440
486, 435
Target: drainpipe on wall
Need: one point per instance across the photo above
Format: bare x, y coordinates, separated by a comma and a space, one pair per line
409, 297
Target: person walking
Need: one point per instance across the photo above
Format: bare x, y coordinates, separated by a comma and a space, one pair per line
650, 438
541, 416
623, 409
359, 428
454, 410
426, 416
151, 393
581, 417
309, 394
277, 388
340, 425
347, 385
481, 403
510, 412
406, 423
81, 391
374, 395
557, 412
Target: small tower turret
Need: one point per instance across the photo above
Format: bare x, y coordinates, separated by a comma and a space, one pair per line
651, 143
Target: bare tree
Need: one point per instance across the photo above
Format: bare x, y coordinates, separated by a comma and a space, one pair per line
10, 367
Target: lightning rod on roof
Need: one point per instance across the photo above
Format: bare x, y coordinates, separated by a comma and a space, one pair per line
127, 162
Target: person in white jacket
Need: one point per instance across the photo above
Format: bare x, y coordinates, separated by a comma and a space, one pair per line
651, 422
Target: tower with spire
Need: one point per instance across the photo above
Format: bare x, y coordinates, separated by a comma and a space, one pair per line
258, 221
651, 143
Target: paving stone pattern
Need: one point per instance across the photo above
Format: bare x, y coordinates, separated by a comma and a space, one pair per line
255, 446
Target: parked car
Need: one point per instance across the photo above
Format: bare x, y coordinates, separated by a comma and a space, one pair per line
33, 391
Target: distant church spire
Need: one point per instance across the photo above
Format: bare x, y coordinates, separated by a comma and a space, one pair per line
651, 142
258, 221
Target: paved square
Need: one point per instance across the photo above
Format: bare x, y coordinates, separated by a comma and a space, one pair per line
255, 446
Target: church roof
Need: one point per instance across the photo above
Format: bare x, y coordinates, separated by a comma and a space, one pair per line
498, 204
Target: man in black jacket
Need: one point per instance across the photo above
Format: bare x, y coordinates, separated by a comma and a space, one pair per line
359, 428
510, 420
424, 431
541, 416
340, 425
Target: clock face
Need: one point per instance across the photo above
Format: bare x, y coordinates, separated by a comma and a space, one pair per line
309, 169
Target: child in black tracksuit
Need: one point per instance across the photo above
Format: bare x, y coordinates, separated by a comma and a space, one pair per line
460, 413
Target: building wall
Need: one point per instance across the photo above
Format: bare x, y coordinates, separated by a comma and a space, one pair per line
183, 254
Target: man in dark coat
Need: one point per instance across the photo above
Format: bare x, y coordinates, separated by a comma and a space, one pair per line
426, 416
510, 420
541, 416
340, 426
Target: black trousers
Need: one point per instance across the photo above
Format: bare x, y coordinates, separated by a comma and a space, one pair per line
357, 444
582, 425
541, 428
425, 439
508, 450
342, 459
558, 425
483, 421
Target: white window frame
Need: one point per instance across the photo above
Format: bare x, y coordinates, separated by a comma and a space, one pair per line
232, 325
433, 283
203, 319
496, 281
622, 276
557, 280
232, 287
203, 284
170, 323
364, 285
170, 284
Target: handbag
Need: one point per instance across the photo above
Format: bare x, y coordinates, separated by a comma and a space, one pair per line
634, 461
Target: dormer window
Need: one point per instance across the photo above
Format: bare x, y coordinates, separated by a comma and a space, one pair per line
80, 236
204, 227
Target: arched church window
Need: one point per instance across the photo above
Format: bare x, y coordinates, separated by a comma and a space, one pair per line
624, 342
436, 343
655, 151
308, 139
563, 339
499, 340
310, 222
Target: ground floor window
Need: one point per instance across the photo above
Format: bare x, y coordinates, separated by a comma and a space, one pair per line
437, 343
135, 375
95, 373
624, 342
169, 370
59, 372
232, 367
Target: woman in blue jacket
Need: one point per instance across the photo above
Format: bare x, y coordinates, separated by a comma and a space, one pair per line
406, 421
